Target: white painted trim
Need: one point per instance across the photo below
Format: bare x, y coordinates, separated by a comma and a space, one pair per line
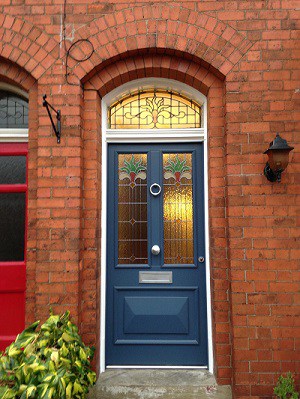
142, 136
13, 89
15, 135
154, 135
207, 248
153, 83
103, 239
159, 367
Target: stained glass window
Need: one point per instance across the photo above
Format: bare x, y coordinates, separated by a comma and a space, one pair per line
132, 209
13, 110
178, 209
155, 109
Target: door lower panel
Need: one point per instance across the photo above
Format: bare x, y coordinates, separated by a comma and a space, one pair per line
156, 316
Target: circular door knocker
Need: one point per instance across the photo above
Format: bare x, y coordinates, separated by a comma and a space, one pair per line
155, 189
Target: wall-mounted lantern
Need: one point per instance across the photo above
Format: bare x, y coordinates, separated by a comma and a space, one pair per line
278, 153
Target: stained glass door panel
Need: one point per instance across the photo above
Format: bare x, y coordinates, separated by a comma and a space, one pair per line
178, 209
156, 300
132, 209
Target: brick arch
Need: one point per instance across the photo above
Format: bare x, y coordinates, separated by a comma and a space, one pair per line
114, 74
178, 29
26, 45
14, 75
108, 76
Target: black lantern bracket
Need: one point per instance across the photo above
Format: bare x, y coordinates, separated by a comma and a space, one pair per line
279, 148
272, 176
57, 128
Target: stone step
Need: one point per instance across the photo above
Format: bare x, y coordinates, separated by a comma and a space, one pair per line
158, 384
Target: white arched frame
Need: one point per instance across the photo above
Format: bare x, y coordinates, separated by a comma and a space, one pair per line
152, 136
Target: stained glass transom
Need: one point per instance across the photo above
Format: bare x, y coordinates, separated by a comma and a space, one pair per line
154, 110
13, 111
178, 209
132, 209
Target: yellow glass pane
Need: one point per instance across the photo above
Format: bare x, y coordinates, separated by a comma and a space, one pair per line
154, 110
178, 209
132, 209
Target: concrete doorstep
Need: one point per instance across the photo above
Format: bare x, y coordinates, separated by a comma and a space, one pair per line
158, 384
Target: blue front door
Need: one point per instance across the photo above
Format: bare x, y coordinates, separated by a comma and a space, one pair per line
156, 291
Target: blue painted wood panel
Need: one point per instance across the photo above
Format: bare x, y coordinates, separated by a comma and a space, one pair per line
156, 324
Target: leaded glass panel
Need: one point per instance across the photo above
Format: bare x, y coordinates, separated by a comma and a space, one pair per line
13, 111
12, 169
156, 109
12, 226
132, 209
178, 209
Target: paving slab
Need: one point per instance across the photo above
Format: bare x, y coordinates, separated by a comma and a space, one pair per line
158, 384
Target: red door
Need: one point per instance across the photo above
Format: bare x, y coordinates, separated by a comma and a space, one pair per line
13, 226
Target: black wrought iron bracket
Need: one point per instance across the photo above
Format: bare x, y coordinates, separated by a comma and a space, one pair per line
57, 128
271, 175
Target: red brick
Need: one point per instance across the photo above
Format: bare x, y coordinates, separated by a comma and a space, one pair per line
253, 222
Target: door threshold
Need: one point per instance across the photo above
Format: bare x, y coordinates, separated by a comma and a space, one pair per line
159, 367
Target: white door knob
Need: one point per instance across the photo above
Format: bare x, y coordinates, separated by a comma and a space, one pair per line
155, 250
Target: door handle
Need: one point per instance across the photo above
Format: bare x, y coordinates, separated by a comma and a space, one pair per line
155, 250
155, 189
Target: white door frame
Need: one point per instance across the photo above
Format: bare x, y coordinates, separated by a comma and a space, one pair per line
152, 136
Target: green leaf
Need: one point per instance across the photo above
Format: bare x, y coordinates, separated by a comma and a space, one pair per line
48, 378
30, 391
43, 390
54, 356
63, 350
82, 355
22, 391
9, 394
69, 391
43, 342
77, 388
29, 348
91, 376
3, 390
51, 366
13, 350
65, 362
67, 337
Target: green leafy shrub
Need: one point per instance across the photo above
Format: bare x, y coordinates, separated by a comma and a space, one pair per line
51, 362
285, 388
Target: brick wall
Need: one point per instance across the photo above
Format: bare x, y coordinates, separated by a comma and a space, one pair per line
244, 55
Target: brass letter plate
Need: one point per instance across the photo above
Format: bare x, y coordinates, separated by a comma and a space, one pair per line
155, 277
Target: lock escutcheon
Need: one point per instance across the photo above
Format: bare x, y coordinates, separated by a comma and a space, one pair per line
201, 259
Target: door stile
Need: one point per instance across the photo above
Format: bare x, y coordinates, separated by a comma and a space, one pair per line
155, 206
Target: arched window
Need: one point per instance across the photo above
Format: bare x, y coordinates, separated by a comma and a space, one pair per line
13, 114
13, 110
155, 109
